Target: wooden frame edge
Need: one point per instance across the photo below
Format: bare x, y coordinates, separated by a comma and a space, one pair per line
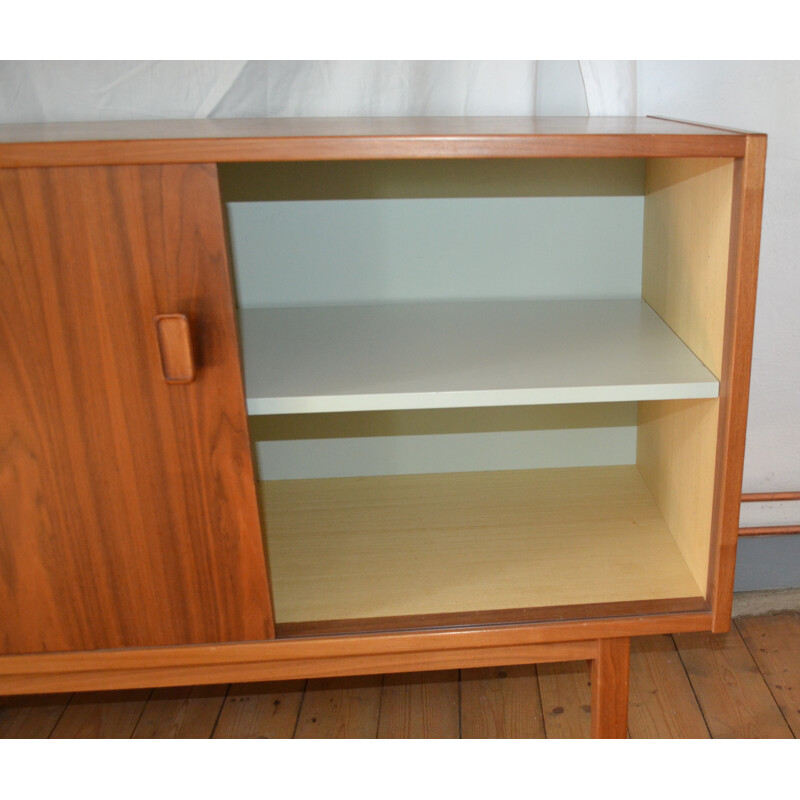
745, 241
610, 678
341, 148
327, 656
770, 530
770, 497
475, 619
288, 669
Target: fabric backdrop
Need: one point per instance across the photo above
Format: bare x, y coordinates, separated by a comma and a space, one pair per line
53, 91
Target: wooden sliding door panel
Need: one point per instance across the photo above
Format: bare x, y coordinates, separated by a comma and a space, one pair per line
128, 513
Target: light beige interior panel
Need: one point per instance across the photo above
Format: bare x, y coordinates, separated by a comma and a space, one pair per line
687, 219
687, 224
676, 456
350, 548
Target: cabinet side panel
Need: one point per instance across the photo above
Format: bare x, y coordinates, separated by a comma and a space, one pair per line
127, 505
685, 261
748, 197
687, 221
676, 456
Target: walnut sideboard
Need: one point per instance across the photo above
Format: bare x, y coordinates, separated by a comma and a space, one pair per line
299, 398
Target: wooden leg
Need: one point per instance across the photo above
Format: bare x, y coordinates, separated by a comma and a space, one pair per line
610, 689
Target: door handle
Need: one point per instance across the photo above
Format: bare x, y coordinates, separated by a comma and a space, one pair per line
175, 346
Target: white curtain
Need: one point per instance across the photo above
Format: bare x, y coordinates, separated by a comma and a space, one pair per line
62, 91
52, 91
610, 88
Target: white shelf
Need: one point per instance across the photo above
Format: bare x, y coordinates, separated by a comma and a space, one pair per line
446, 355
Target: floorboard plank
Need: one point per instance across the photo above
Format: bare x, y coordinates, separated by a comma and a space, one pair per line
735, 700
420, 705
566, 699
501, 703
341, 708
186, 712
260, 710
661, 702
31, 716
774, 643
102, 715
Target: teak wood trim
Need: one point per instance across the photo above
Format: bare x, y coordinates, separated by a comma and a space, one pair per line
202, 141
610, 672
770, 530
335, 149
499, 617
735, 384
324, 656
770, 497
336, 666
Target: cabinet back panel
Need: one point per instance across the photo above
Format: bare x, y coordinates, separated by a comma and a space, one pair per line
340, 252
128, 514
444, 440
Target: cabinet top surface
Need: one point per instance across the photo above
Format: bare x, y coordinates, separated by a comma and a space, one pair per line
224, 140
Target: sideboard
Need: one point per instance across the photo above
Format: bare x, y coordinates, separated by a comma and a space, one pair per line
315, 397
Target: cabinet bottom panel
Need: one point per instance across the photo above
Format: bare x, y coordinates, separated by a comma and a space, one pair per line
470, 548
638, 609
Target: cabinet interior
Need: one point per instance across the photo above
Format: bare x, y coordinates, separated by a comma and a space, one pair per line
455, 413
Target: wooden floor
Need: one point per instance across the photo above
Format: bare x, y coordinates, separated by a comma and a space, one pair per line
744, 684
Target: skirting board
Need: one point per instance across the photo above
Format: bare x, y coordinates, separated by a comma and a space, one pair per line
746, 604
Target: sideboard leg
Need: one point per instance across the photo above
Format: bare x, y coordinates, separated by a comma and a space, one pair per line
610, 689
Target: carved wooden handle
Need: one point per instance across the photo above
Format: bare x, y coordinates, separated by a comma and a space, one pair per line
175, 346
